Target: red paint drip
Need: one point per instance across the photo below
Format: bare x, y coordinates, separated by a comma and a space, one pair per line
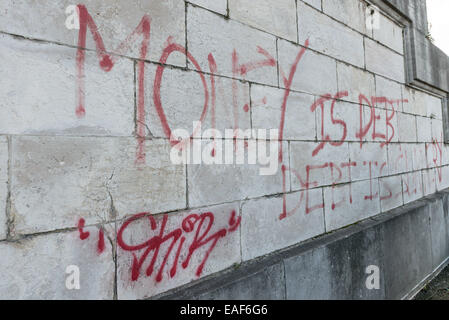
83, 234
283, 215
213, 70
100, 244
235, 73
107, 62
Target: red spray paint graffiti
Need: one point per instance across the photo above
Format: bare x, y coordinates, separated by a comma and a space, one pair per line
196, 227
85, 234
288, 83
198, 224
369, 128
437, 157
107, 62
172, 47
325, 137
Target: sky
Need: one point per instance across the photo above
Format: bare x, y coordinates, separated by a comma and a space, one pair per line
437, 15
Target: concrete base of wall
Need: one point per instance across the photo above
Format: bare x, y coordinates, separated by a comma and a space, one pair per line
409, 245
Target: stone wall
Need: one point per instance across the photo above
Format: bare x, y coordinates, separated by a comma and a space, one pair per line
93, 94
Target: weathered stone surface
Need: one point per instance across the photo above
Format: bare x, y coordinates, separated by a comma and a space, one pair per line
371, 161
35, 267
265, 285
412, 186
421, 103
42, 99
418, 156
399, 243
263, 220
3, 185
278, 18
228, 109
315, 73
429, 182
233, 64
375, 54
301, 274
390, 34
57, 180
437, 130
429, 60
390, 193
208, 34
390, 90
328, 36
314, 3
336, 269
415, 10
434, 107
407, 250
442, 178
399, 158
348, 203
424, 129
407, 127
355, 81
439, 229
351, 13
214, 184
320, 172
219, 6
266, 112
115, 20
